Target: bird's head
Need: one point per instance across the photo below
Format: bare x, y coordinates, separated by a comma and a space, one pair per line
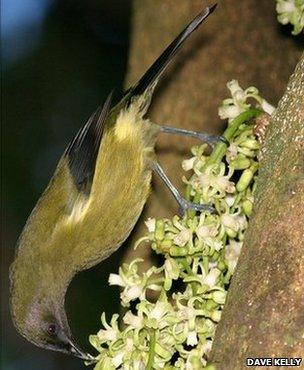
42, 320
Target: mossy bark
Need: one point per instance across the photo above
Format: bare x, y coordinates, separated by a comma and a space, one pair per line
264, 312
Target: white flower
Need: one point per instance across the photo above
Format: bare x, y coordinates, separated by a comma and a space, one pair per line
134, 321
182, 237
211, 264
107, 335
206, 347
204, 180
172, 272
117, 359
234, 222
150, 223
236, 90
171, 268
232, 151
131, 294
217, 245
111, 331
232, 252
208, 234
188, 164
192, 338
230, 199
223, 183
195, 359
234, 106
291, 11
139, 365
159, 310
133, 283
214, 181
286, 6
205, 231
115, 279
268, 108
229, 111
211, 277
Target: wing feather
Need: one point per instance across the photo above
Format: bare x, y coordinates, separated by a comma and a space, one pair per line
158, 67
83, 149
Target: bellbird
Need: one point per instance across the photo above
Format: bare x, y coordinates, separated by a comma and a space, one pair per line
90, 206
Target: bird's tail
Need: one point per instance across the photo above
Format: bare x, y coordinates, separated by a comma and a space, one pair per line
149, 79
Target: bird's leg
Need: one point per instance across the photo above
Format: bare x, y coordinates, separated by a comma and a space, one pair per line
183, 203
210, 139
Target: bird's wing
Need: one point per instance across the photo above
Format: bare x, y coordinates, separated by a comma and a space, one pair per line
158, 67
83, 149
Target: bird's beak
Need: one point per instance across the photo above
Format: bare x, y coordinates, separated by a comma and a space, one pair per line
77, 352
70, 346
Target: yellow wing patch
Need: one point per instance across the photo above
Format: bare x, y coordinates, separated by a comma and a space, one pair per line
78, 209
128, 125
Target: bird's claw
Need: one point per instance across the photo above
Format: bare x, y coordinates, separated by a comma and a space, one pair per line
185, 205
223, 140
212, 139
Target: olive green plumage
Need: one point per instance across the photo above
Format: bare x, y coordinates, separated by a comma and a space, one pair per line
89, 208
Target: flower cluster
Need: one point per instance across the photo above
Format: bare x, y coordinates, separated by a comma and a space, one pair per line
291, 11
199, 252
239, 101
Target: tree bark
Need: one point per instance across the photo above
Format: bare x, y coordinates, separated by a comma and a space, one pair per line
264, 312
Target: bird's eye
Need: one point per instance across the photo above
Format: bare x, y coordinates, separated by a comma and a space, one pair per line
52, 330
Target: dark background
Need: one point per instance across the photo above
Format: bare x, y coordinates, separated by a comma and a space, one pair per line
60, 59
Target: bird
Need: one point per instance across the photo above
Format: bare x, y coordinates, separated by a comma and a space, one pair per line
91, 205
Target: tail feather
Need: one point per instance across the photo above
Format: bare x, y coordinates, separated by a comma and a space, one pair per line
159, 66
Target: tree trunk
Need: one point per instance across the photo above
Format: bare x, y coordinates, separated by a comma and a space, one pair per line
264, 312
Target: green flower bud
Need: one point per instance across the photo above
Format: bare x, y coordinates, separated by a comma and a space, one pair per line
210, 367
167, 284
240, 163
159, 230
250, 144
176, 251
247, 207
152, 323
208, 326
219, 296
211, 305
215, 256
246, 177
196, 362
188, 191
247, 152
95, 341
216, 315
221, 265
161, 351
166, 244
203, 289
105, 363
231, 233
